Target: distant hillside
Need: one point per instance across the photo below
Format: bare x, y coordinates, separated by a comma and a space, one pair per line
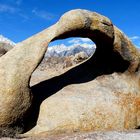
51, 66
6, 40
5, 45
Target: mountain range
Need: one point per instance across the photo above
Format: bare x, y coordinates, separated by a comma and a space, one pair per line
6, 40
5, 45
53, 51
64, 51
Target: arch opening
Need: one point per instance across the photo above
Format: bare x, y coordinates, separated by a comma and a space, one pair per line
61, 55
104, 61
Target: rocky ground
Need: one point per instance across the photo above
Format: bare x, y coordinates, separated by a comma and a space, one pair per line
4, 48
53, 66
110, 135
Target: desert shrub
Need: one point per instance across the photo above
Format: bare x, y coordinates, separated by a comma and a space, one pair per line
10, 131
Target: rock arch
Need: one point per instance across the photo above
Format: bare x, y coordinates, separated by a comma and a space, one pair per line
17, 66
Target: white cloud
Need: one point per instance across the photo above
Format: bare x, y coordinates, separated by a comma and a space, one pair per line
79, 41
24, 17
134, 38
43, 14
14, 2
85, 39
18, 2
59, 48
4, 8
74, 41
87, 45
84, 42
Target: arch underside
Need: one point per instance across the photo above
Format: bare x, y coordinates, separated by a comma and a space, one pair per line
105, 61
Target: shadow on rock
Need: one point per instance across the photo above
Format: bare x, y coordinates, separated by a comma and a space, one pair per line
101, 63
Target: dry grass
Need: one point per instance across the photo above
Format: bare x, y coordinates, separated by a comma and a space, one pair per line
10, 131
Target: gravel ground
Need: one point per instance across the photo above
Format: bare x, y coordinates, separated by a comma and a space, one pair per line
111, 135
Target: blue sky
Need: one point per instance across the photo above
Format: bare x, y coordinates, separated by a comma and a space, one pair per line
20, 19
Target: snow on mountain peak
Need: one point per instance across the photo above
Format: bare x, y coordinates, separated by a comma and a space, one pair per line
63, 50
6, 40
58, 48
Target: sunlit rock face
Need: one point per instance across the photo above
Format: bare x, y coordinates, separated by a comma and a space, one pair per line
102, 93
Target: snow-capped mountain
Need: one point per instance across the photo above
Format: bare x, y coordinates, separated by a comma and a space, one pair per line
6, 40
5, 45
62, 50
57, 50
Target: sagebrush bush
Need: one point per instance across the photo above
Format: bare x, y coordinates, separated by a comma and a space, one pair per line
10, 131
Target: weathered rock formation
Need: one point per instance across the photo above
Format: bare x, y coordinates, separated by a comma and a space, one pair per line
102, 93
4, 48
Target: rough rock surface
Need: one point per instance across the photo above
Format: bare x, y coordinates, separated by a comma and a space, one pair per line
94, 105
97, 135
102, 93
4, 48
